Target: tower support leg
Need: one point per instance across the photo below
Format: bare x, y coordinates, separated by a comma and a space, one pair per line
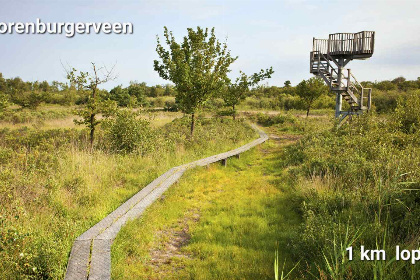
339, 97
338, 104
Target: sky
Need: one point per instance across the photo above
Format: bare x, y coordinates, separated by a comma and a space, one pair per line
261, 33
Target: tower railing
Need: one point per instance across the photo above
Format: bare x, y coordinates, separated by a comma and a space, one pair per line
361, 43
320, 45
351, 43
362, 92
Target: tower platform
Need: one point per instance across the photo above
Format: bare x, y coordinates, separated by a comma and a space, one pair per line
328, 59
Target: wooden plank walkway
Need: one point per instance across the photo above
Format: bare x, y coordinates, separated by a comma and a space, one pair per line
90, 257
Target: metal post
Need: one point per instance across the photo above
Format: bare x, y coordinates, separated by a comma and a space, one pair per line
363, 41
339, 97
340, 71
319, 61
338, 103
332, 77
328, 47
313, 44
348, 78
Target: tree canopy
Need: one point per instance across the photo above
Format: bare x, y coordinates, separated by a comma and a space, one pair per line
88, 84
237, 91
310, 90
198, 67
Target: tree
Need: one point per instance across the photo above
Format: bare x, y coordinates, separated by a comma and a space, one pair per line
120, 95
3, 102
153, 92
198, 67
407, 114
310, 90
139, 92
169, 91
28, 99
234, 93
3, 85
386, 85
87, 83
287, 84
398, 80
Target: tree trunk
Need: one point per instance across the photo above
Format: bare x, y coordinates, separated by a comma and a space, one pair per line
192, 124
233, 113
92, 130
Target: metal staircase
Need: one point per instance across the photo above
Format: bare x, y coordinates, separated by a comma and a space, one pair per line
327, 60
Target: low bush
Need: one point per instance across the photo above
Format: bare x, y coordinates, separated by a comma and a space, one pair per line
31, 99
126, 133
407, 113
171, 106
283, 122
17, 116
385, 101
224, 112
269, 120
359, 183
53, 187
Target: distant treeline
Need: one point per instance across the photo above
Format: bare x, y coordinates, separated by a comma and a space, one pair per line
31, 94
400, 84
385, 95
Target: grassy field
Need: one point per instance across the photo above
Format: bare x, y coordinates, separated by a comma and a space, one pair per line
312, 192
53, 187
54, 116
217, 223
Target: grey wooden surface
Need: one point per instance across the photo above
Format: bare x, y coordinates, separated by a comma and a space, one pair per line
90, 257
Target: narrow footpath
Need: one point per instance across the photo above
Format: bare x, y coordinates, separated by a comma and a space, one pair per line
216, 223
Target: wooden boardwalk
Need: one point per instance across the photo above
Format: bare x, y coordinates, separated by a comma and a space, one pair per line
90, 256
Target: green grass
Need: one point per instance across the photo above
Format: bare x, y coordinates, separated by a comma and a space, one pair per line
360, 186
306, 200
55, 116
232, 218
52, 188
333, 188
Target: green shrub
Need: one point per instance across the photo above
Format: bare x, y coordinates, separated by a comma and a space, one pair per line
158, 102
214, 104
407, 113
269, 120
17, 116
31, 99
225, 112
289, 102
283, 122
358, 175
385, 102
4, 101
16, 257
171, 106
126, 133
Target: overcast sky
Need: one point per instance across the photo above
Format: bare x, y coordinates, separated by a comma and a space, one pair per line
261, 33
